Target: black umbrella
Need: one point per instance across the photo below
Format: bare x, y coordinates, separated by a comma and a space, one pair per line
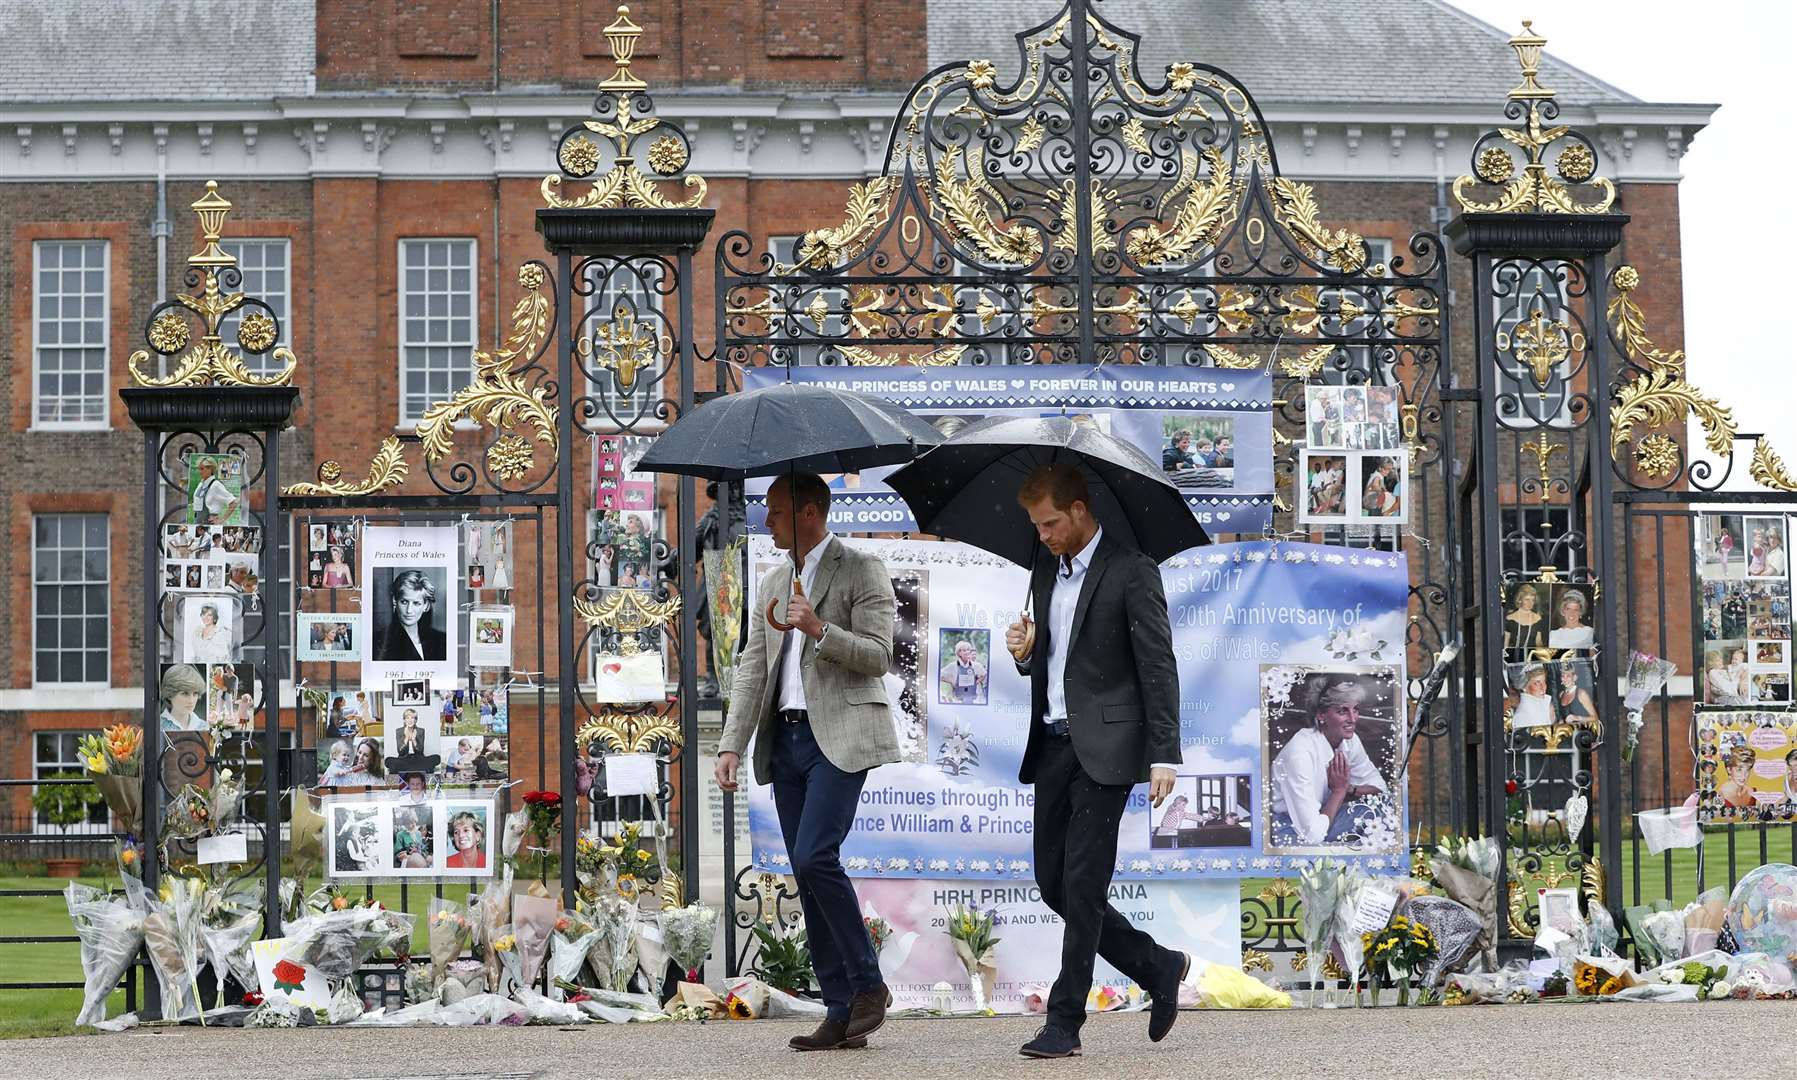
788, 428
966, 488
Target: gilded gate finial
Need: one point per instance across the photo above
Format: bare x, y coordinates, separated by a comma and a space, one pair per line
623, 115
210, 362
1574, 189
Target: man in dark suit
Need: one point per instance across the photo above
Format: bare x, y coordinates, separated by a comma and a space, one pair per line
1104, 716
410, 635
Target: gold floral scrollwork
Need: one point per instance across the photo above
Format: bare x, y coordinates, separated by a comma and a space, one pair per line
1593, 881
946, 356
1295, 208
1534, 191
630, 733
1658, 398
500, 396
388, 469
1206, 213
960, 207
1657, 455
1255, 960
624, 346
1307, 363
623, 185
868, 208
1543, 345
210, 362
1768, 469
1630, 325
628, 611
1225, 357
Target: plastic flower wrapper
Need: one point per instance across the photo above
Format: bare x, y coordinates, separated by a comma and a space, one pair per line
504, 951
1666, 931
533, 921
345, 1006
1467, 871
227, 935
971, 931
111, 930
1703, 920
1456, 929
336, 943
1647, 674
575, 937
226, 797
767, 1001
892, 950
1352, 889
493, 914
1320, 893
449, 929
172, 938
686, 932
1221, 986
615, 918
517, 823
1602, 930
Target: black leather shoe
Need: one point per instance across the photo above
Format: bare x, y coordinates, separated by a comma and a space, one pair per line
1164, 1008
867, 1011
1052, 1042
830, 1035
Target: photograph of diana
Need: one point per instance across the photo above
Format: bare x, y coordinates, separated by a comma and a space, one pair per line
413, 840
1572, 618
325, 636
1325, 488
467, 836
1204, 812
411, 594
356, 849
1330, 742
963, 679
209, 628
415, 732
1525, 618
215, 489
182, 690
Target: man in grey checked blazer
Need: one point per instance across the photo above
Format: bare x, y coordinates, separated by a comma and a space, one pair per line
808, 686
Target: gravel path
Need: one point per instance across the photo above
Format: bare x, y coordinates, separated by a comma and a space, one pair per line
1507, 1042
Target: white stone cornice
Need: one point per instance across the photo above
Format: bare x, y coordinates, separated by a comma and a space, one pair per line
762, 135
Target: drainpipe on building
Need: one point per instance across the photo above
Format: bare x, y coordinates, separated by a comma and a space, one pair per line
160, 230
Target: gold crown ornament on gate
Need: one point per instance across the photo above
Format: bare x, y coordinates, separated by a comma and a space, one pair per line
214, 278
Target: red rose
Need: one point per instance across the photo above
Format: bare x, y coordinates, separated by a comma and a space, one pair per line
252, 999
1509, 787
543, 798
289, 976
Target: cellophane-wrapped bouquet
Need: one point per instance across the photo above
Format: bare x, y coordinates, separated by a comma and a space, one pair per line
172, 938
114, 759
1467, 870
1319, 893
575, 937
615, 918
449, 930
493, 918
230, 919
336, 943
111, 929
533, 921
976, 944
686, 932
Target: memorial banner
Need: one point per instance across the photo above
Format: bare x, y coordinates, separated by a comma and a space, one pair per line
1211, 430
1288, 654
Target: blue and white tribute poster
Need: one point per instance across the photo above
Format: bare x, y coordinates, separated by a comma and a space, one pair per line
1211, 429
1291, 670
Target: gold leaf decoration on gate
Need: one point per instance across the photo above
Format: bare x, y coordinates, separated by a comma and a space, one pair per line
1768, 469
1295, 208
1532, 190
388, 469
869, 207
210, 362
627, 611
1630, 325
1206, 213
501, 396
630, 733
1658, 398
624, 185
960, 205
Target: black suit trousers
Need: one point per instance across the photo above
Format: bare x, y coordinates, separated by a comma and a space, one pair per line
1076, 848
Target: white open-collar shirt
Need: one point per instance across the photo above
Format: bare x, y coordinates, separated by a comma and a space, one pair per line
792, 683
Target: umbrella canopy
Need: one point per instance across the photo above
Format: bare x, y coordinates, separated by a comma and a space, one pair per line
966, 488
788, 427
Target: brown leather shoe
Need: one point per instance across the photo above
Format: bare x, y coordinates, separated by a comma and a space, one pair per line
867, 1011
830, 1035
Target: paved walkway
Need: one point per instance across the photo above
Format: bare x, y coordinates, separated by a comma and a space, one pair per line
1616, 1040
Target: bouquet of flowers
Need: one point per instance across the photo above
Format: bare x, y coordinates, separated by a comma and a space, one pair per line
618, 866
449, 930
1467, 870
615, 919
543, 810
114, 759
517, 823
575, 937
878, 931
336, 943
1320, 887
975, 943
495, 915
230, 919
1353, 887
503, 949
172, 938
533, 921
1398, 953
111, 931
1647, 674
687, 934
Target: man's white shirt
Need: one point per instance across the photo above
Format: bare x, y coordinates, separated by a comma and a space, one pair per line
792, 684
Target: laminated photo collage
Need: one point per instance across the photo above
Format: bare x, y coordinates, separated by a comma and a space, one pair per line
1746, 766
1550, 639
1744, 568
411, 736
1354, 467
626, 667
428, 837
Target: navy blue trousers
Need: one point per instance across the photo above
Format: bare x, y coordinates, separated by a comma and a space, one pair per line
816, 802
